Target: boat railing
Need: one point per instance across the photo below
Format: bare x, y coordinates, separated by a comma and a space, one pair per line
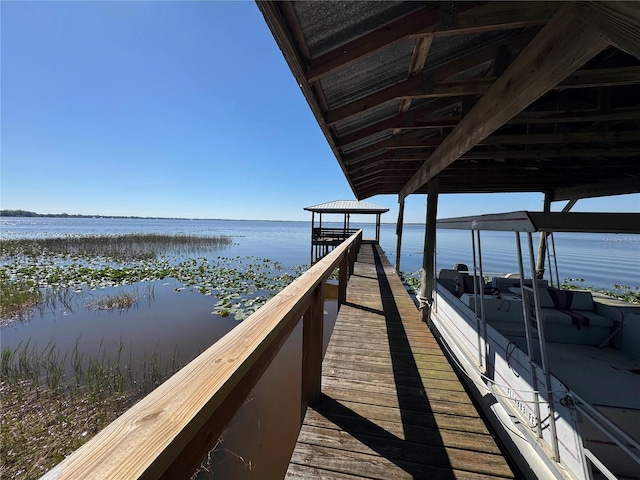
170, 431
612, 431
590, 414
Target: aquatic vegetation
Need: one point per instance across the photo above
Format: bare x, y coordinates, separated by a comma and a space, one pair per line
120, 301
411, 281
118, 248
53, 402
18, 299
240, 284
621, 292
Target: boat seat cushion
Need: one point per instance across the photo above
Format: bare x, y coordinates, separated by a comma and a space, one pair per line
504, 283
577, 318
570, 307
448, 278
565, 299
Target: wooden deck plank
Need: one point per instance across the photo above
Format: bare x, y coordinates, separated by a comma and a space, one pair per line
392, 405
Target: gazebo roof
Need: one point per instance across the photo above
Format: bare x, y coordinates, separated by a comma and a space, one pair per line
346, 206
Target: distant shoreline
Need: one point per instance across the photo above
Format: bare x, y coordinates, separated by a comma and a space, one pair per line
27, 214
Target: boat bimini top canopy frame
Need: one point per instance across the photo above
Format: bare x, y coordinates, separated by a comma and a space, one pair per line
547, 223
524, 221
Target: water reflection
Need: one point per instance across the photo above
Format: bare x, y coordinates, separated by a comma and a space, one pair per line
259, 440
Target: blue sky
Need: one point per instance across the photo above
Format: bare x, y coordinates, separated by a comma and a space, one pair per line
173, 109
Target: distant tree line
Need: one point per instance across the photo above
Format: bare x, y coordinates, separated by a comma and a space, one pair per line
26, 213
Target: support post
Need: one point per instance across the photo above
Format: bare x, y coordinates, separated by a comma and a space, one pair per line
542, 245
343, 278
428, 258
312, 223
312, 331
352, 258
399, 226
378, 215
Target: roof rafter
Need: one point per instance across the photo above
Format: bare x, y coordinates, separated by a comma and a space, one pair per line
616, 20
415, 120
418, 59
498, 16
416, 139
593, 190
562, 46
419, 87
401, 156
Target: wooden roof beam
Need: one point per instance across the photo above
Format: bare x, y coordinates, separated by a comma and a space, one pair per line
418, 60
414, 120
406, 121
616, 20
425, 83
422, 87
424, 22
389, 34
561, 47
586, 153
408, 140
275, 19
594, 190
385, 169
416, 139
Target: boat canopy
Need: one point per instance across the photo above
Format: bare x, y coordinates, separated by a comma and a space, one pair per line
524, 221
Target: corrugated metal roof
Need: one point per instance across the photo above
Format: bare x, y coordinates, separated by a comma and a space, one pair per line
368, 69
328, 24
373, 73
346, 206
366, 118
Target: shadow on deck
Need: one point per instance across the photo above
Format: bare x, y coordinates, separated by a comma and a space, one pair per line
391, 407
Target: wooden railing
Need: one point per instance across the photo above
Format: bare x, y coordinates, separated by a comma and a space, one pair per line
332, 234
170, 431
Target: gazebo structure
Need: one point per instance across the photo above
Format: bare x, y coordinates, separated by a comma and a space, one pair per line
323, 240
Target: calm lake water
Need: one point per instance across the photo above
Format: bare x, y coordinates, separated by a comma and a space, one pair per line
258, 442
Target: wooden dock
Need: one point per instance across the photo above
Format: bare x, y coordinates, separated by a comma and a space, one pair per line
391, 405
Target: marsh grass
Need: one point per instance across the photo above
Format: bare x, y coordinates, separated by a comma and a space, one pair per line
18, 299
42, 272
54, 401
119, 301
118, 248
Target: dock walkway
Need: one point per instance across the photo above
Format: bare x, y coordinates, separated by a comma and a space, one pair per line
392, 407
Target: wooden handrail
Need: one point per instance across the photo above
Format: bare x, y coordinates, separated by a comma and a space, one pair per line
169, 432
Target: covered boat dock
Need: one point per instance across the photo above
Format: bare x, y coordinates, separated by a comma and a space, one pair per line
413, 97
324, 239
467, 98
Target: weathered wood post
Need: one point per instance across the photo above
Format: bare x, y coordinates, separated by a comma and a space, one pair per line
542, 246
312, 332
352, 258
343, 278
428, 259
399, 226
312, 223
